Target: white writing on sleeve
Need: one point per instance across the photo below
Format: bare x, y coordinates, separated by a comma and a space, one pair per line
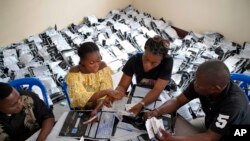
221, 121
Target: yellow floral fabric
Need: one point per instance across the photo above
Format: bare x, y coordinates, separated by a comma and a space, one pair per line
82, 86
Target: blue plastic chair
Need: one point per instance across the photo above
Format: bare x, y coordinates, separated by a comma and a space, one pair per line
30, 81
244, 82
66, 94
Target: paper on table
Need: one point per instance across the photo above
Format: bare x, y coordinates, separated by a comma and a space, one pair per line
153, 125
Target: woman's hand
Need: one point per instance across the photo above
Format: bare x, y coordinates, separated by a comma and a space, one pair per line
93, 117
108, 101
136, 109
114, 94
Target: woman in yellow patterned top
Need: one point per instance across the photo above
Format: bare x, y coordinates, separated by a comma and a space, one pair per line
91, 80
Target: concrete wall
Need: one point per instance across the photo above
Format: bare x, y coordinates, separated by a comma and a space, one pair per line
20, 19
228, 17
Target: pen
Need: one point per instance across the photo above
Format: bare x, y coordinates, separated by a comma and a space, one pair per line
90, 120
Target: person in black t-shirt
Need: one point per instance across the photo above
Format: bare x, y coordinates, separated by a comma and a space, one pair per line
222, 100
152, 68
22, 113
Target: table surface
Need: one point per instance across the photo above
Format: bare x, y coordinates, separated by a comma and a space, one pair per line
182, 127
53, 136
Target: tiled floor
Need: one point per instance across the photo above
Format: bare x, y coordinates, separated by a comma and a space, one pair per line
62, 106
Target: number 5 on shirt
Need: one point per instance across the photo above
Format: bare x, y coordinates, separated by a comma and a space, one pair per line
221, 121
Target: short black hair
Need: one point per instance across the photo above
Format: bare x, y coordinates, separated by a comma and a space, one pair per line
87, 47
5, 90
157, 45
215, 71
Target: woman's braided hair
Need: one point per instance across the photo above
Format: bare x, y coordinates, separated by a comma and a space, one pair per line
157, 45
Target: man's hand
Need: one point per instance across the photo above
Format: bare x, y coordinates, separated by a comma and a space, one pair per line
164, 135
136, 109
154, 113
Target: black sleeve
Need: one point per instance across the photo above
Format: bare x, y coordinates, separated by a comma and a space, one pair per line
166, 68
189, 92
129, 67
41, 110
229, 114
